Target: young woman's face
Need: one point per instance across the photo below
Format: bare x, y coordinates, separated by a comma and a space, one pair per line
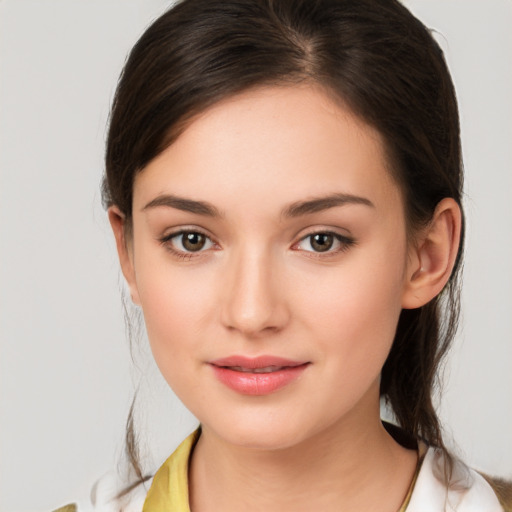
269, 257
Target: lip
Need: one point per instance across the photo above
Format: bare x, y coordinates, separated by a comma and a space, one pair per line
235, 372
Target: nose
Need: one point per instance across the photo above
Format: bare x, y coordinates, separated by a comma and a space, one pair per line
254, 301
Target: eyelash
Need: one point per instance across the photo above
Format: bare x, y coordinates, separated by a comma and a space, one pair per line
166, 241
344, 242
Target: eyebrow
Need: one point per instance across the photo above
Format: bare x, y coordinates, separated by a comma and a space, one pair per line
295, 209
186, 205
324, 203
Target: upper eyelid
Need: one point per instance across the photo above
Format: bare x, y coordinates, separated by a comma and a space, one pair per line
339, 236
310, 231
181, 230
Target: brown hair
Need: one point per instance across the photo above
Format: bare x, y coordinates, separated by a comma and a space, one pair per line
377, 58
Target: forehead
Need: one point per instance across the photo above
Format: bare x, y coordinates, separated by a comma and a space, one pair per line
272, 143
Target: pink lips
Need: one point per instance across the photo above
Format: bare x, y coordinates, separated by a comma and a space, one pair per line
257, 376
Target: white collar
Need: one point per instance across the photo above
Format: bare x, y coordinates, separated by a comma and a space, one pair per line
468, 491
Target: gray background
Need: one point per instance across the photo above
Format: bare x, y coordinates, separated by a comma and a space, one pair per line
66, 376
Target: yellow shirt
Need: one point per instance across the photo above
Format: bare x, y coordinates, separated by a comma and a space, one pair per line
169, 490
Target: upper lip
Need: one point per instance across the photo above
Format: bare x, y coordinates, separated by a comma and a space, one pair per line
255, 362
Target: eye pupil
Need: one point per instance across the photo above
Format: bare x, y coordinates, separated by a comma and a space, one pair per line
322, 242
193, 241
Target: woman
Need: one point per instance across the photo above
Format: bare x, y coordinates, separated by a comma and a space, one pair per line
284, 184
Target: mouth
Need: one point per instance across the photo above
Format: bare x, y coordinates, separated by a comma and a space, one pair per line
257, 376
266, 369
267, 363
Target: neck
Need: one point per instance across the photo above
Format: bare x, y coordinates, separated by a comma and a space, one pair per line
342, 468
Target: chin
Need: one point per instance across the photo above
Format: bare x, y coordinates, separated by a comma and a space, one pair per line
260, 432
262, 440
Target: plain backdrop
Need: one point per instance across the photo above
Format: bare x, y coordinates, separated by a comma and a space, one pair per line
66, 373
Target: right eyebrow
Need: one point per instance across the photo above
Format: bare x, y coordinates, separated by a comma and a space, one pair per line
186, 205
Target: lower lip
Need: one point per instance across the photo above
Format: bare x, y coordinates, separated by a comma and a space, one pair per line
258, 383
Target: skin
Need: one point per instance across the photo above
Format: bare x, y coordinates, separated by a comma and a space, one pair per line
258, 287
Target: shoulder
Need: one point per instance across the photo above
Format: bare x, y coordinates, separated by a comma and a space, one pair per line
467, 490
109, 495
503, 490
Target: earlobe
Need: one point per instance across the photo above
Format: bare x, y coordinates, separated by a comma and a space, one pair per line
432, 258
118, 223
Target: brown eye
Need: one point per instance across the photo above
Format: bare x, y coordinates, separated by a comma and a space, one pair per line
321, 242
187, 242
192, 241
327, 242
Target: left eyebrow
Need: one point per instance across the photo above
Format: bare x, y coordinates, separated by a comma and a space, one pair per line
323, 203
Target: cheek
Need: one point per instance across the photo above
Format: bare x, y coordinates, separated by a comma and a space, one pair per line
353, 310
176, 304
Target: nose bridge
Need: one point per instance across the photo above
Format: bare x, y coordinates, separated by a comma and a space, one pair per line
253, 302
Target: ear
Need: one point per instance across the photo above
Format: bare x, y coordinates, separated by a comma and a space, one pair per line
433, 255
124, 249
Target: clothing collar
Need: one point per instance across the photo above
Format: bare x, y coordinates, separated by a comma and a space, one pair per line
169, 490
468, 491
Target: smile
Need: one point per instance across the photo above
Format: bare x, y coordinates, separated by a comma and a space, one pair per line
267, 369
257, 376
